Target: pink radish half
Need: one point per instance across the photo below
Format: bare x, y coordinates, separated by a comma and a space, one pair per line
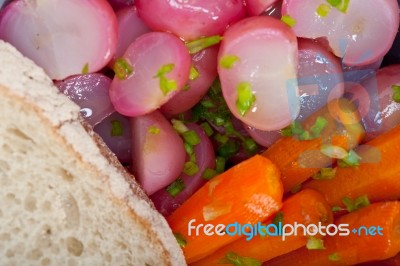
258, 60
190, 19
158, 154
150, 58
360, 34
64, 37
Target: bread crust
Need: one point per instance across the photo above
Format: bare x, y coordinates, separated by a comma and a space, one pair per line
25, 83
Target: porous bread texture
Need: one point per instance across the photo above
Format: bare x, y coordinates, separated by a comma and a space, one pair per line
65, 199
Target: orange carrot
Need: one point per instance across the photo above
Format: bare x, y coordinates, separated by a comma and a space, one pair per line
306, 207
365, 244
393, 261
378, 179
298, 160
249, 192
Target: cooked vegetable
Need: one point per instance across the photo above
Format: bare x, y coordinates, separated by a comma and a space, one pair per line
298, 160
376, 176
249, 192
375, 237
305, 207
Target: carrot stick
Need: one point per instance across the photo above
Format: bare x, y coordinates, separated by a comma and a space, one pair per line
247, 193
298, 160
306, 207
378, 180
354, 248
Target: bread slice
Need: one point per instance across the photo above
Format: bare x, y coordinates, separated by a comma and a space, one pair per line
65, 199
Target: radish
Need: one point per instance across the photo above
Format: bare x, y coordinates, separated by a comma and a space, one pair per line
190, 19
258, 72
153, 69
359, 31
64, 37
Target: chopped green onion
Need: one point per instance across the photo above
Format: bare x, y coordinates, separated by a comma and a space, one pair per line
314, 243
319, 126
220, 164
179, 126
194, 74
245, 98
305, 135
116, 128
325, 174
186, 87
227, 61
250, 146
209, 173
191, 137
189, 148
85, 69
228, 149
190, 168
358, 203
278, 218
396, 93
122, 68
352, 159
202, 43
288, 20
207, 103
180, 239
332, 151
221, 138
153, 130
287, 131
340, 5
207, 128
167, 85
236, 260
176, 187
323, 10
164, 69
337, 209
296, 189
334, 257
219, 121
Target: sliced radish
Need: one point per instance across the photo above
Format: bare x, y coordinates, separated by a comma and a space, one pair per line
154, 68
274, 10
130, 27
64, 37
360, 33
374, 98
158, 154
257, 68
256, 7
90, 92
119, 4
205, 63
191, 19
205, 158
320, 77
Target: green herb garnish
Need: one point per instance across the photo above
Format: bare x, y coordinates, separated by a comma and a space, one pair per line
396, 93
350, 160
209, 173
314, 243
323, 10
278, 219
122, 68
325, 174
245, 97
236, 260
334, 257
202, 43
176, 187
319, 126
190, 168
228, 61
153, 130
194, 74
288, 20
191, 137
85, 69
180, 239
358, 203
116, 128
166, 85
